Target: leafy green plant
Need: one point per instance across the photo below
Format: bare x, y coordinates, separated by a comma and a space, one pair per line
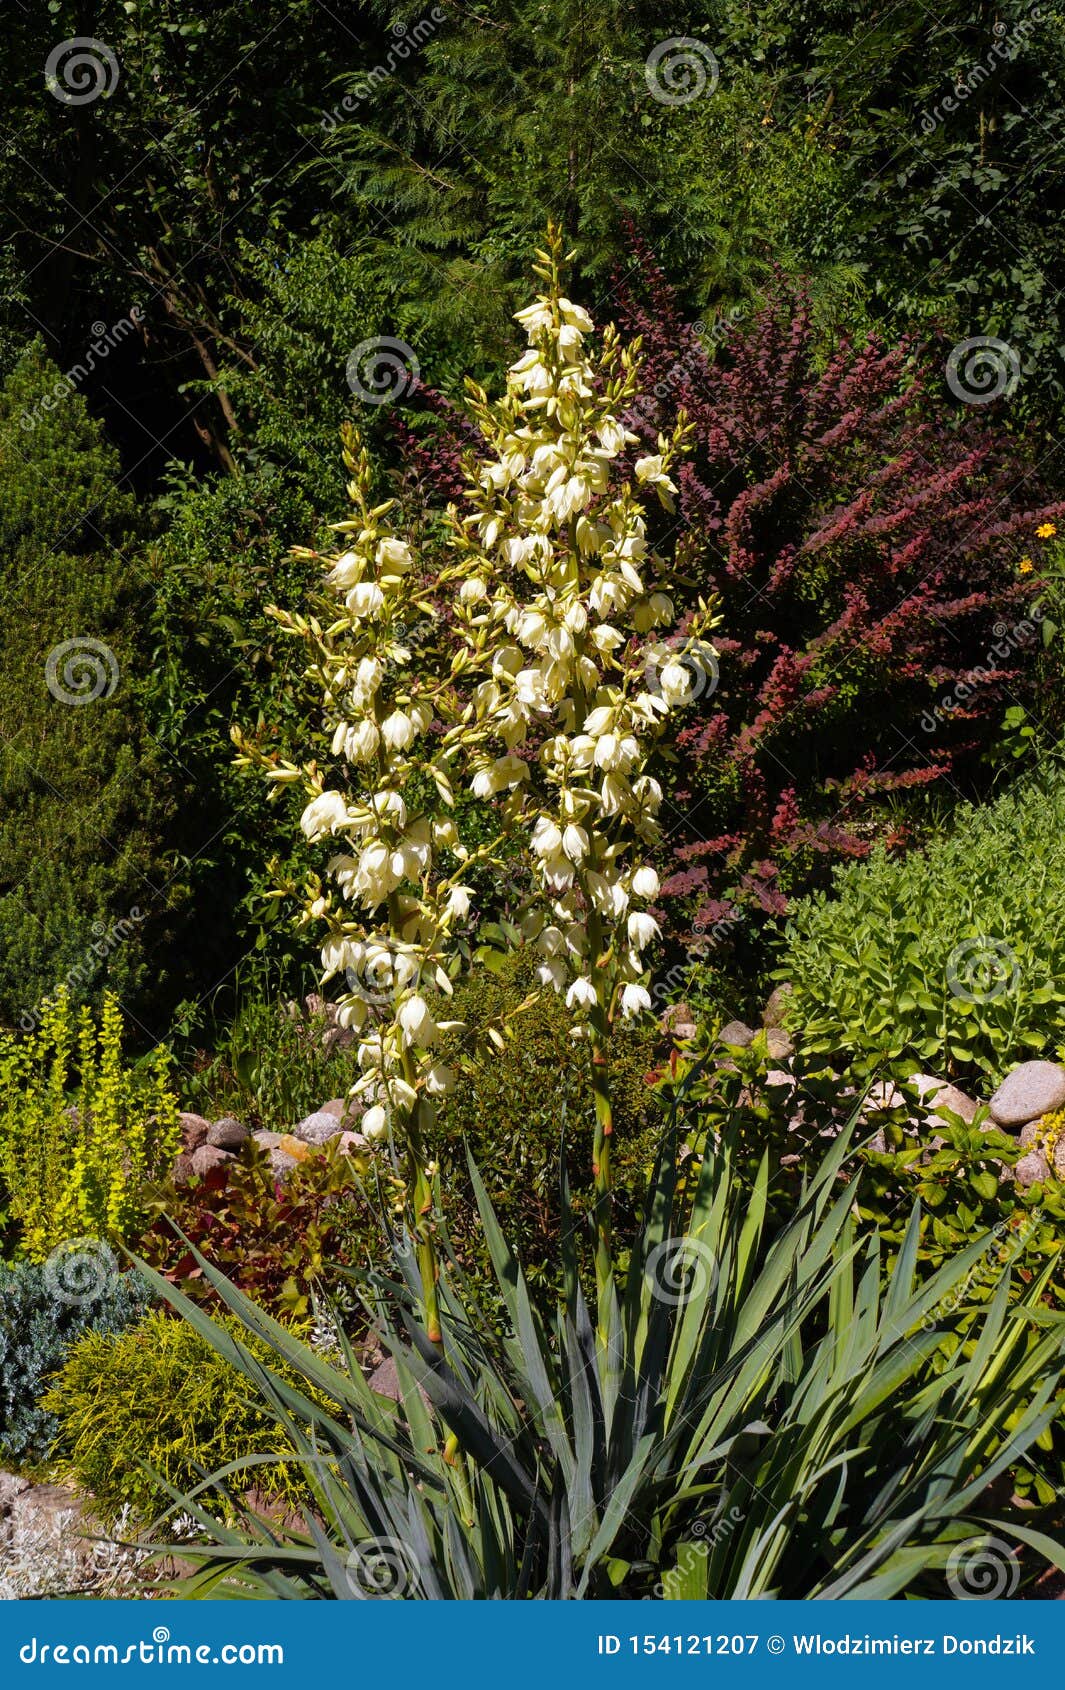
80, 1131
763, 1387
154, 1406
38, 1326
952, 958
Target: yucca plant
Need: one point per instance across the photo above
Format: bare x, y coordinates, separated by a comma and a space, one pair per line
765, 1412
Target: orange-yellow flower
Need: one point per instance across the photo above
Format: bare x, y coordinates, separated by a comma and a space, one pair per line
1026, 566
1045, 531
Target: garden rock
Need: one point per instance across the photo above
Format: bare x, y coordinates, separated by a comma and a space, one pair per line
337, 1038
319, 1128
182, 1171
385, 1381
281, 1162
736, 1033
194, 1130
775, 1010
778, 1044
208, 1161
346, 1109
1033, 1089
940, 1094
227, 1134
1032, 1169
354, 1144
678, 1020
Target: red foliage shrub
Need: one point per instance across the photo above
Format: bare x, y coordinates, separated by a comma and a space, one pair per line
862, 534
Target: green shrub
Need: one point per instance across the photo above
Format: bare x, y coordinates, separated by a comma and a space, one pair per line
80, 1131
38, 1326
159, 1396
86, 893
952, 959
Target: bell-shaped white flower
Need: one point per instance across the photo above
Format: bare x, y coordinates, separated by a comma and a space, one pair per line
581, 995
635, 1000
324, 814
645, 883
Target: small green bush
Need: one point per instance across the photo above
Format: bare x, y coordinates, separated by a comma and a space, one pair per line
158, 1396
38, 1326
952, 959
81, 1131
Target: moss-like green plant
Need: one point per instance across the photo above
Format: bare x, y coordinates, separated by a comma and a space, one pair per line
952, 959
159, 1397
80, 1131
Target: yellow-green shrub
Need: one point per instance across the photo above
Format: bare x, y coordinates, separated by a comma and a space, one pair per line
80, 1132
158, 1396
